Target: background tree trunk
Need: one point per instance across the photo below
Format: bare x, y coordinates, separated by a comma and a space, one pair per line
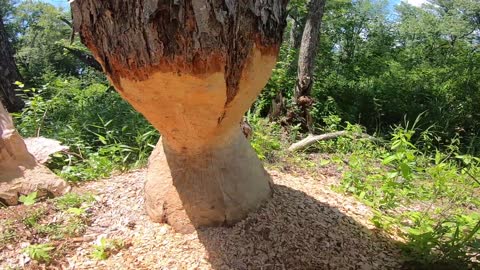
192, 68
306, 59
295, 35
8, 73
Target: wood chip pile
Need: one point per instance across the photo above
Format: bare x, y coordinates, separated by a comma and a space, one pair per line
304, 226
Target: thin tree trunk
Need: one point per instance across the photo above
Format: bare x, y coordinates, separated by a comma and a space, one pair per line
306, 59
8, 74
192, 68
295, 34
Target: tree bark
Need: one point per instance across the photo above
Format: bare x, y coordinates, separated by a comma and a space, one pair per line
8, 74
192, 68
306, 59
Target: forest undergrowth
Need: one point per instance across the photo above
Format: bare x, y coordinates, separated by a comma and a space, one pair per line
408, 76
425, 194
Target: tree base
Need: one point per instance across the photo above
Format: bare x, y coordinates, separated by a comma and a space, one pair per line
219, 185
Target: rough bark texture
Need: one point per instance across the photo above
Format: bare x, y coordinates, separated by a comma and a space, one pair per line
192, 68
20, 173
306, 58
8, 73
194, 37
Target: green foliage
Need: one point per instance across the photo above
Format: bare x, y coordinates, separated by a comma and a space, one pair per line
42, 32
265, 138
106, 247
103, 131
30, 199
33, 216
447, 241
373, 72
7, 233
39, 252
425, 197
372, 68
73, 201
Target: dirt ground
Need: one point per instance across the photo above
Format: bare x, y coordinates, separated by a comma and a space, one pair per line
305, 225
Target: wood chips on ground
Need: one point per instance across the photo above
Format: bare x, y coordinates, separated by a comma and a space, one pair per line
305, 225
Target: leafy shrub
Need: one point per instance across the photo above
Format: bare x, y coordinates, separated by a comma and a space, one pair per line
72, 200
404, 179
103, 131
106, 247
265, 138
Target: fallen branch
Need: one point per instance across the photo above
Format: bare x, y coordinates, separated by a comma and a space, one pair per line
311, 139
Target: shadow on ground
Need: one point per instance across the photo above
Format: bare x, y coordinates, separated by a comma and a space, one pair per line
295, 231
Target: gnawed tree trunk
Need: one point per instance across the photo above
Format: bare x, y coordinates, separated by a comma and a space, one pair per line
306, 59
192, 68
20, 173
8, 74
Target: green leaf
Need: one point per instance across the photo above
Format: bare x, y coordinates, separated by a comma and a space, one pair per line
438, 157
324, 162
29, 199
102, 139
389, 159
392, 175
19, 84
406, 170
76, 211
40, 252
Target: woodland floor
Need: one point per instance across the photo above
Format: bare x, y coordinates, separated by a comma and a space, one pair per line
305, 225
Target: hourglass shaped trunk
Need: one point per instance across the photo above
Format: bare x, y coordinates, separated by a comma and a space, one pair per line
192, 68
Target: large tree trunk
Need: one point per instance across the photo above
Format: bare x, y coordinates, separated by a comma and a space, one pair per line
8, 73
20, 173
306, 59
192, 68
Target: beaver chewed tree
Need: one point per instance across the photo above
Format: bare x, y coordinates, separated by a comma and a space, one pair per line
20, 172
192, 68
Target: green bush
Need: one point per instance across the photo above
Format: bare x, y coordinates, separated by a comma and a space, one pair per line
265, 138
403, 179
104, 132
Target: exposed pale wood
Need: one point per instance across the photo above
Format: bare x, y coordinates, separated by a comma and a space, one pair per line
20, 173
41, 148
